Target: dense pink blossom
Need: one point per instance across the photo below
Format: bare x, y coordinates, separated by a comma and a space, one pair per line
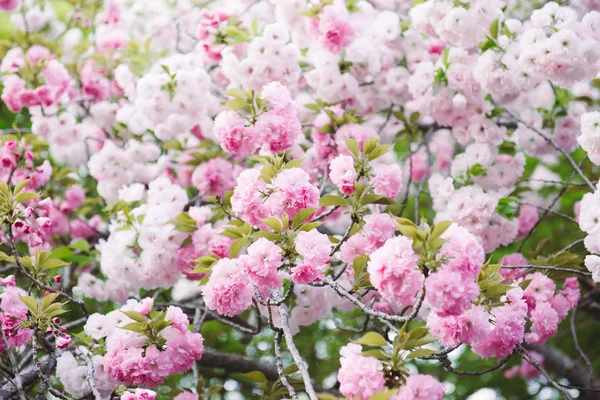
360, 377
420, 387
393, 271
387, 180
343, 174
228, 291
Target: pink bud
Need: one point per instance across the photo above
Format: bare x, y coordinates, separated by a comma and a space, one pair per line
57, 278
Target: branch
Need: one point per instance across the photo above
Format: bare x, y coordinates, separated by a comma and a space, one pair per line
27, 377
89, 374
562, 365
289, 340
280, 370
526, 355
549, 268
235, 363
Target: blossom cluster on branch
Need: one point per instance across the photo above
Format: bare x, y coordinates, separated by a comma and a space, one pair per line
281, 172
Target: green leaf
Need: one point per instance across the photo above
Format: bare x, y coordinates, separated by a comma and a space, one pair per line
134, 315
372, 339
4, 190
292, 164
414, 117
440, 228
352, 146
302, 216
134, 327
273, 223
494, 29
523, 285
497, 290
477, 170
237, 104
332, 200
47, 300
369, 145
405, 221
272, 236
25, 196
237, 246
30, 303
80, 244
408, 231
19, 186
419, 353
256, 376
384, 395
379, 151
310, 226
377, 353
376, 199
53, 263
418, 333
237, 93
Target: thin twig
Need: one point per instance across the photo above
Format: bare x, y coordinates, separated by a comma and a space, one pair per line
89, 374
557, 147
578, 346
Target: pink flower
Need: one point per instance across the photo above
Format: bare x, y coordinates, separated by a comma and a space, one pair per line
292, 192
9, 5
420, 387
378, 228
567, 298
214, 177
228, 290
186, 396
508, 330
544, 323
343, 174
63, 341
178, 318
247, 201
528, 217
512, 259
360, 377
262, 262
353, 247
540, 290
74, 196
446, 328
139, 394
278, 129
463, 252
393, 271
314, 247
13, 87
235, 137
277, 95
476, 325
526, 370
449, 293
305, 274
387, 180
336, 32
